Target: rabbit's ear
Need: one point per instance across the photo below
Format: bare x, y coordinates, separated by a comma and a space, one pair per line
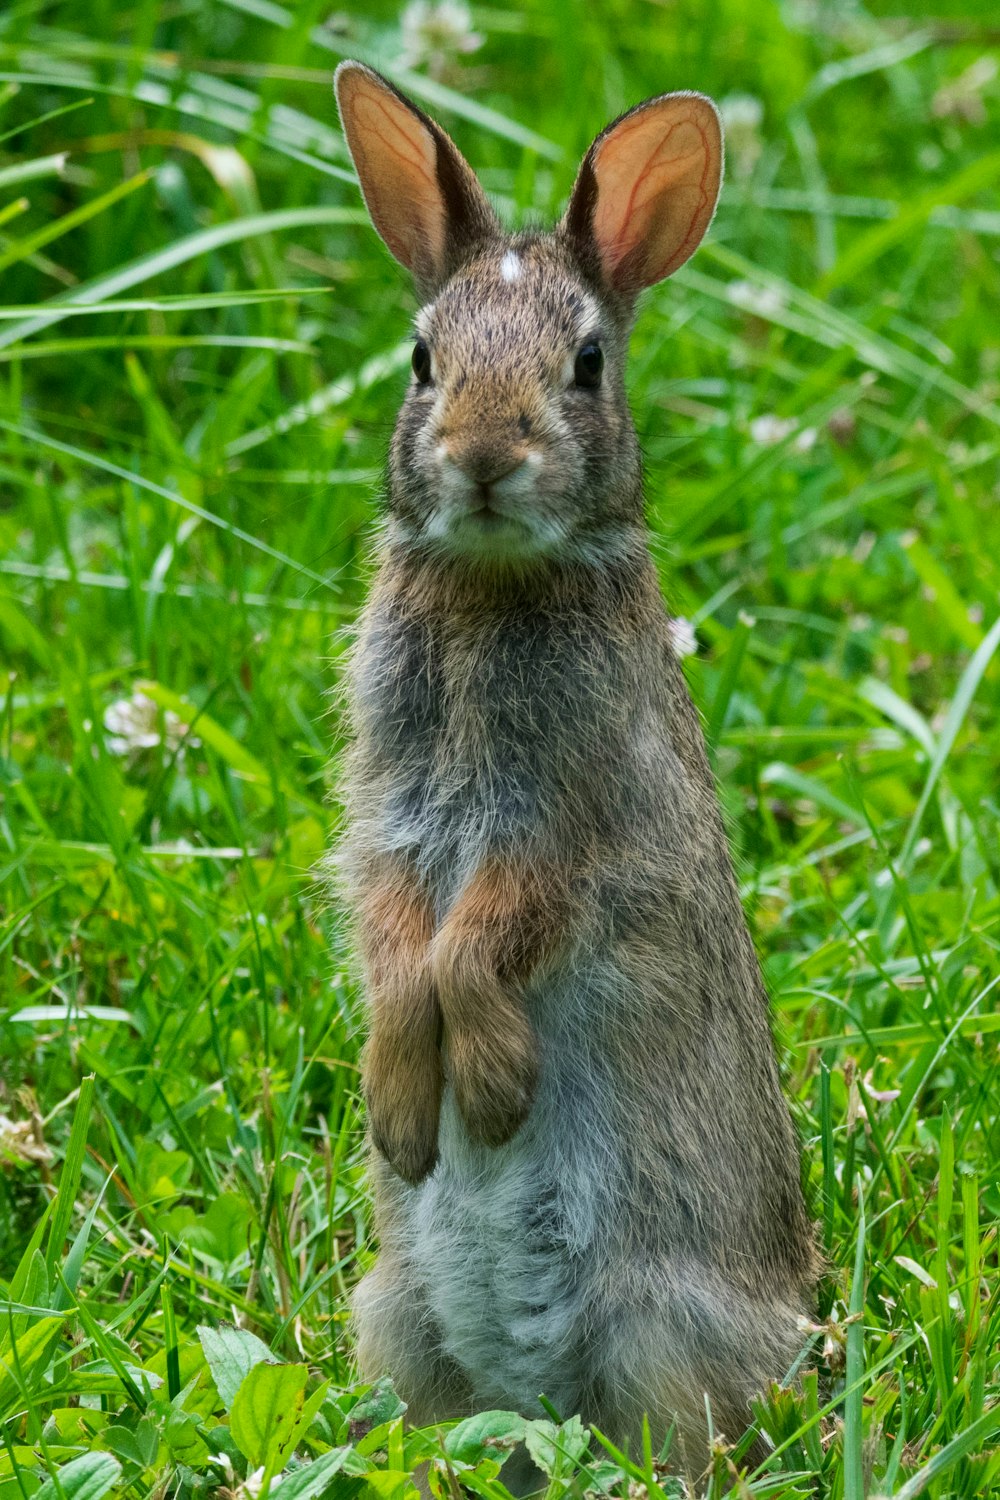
422, 195
647, 190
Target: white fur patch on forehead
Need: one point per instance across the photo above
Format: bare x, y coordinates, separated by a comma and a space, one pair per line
510, 266
422, 322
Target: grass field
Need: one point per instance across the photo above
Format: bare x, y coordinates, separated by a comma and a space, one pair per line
201, 351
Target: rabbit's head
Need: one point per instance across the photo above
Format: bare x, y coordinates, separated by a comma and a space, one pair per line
515, 440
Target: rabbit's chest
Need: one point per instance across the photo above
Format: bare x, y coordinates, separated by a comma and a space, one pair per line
448, 814
480, 746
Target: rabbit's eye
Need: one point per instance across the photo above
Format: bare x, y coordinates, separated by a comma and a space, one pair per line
422, 362
589, 364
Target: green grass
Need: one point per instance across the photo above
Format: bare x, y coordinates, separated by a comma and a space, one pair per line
200, 358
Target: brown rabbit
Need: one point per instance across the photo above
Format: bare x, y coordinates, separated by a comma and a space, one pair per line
586, 1179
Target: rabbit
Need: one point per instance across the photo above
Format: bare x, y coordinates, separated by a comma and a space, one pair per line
586, 1180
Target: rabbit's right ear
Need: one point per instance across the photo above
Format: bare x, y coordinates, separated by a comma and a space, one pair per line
646, 191
422, 195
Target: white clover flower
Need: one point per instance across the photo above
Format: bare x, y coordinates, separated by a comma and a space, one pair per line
134, 724
763, 301
254, 1482
435, 35
682, 636
770, 429
225, 1463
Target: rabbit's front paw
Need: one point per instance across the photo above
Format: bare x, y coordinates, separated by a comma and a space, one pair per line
403, 1097
494, 1072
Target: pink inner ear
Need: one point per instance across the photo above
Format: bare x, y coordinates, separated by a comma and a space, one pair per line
396, 159
658, 178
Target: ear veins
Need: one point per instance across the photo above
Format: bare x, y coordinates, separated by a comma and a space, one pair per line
506, 923
394, 155
417, 159
426, 200
680, 253
655, 162
401, 1067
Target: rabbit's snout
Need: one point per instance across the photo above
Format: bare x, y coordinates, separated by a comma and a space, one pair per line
485, 466
489, 505
481, 482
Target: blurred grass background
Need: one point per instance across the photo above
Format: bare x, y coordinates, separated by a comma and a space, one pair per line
201, 354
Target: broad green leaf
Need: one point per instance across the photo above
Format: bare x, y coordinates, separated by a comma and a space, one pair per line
231, 1354
161, 1176
183, 1435
489, 1434
304, 1420
33, 1302
378, 1405
557, 1448
26, 1265
136, 1444
264, 1417
222, 1231
85, 1478
20, 1362
312, 1480
386, 1484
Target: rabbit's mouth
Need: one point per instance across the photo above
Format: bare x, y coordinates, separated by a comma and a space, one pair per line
484, 528
490, 509
487, 516
488, 519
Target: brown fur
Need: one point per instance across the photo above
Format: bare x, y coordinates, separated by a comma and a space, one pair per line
506, 922
402, 1070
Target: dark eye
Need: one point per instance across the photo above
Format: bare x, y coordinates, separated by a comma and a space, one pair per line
421, 362
589, 364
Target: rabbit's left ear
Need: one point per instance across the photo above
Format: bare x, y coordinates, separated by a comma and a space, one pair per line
423, 197
647, 189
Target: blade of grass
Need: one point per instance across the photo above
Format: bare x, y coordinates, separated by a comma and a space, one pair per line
69, 1178
854, 1481
189, 247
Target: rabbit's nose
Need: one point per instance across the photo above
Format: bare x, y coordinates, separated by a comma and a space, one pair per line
485, 466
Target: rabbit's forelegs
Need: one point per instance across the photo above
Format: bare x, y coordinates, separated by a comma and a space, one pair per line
401, 1068
508, 920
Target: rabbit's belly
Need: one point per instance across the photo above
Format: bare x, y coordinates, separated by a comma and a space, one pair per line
508, 1240
502, 1275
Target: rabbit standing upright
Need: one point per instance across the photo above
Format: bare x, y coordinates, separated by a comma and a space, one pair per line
586, 1179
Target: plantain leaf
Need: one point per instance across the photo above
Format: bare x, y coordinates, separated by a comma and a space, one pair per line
264, 1417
